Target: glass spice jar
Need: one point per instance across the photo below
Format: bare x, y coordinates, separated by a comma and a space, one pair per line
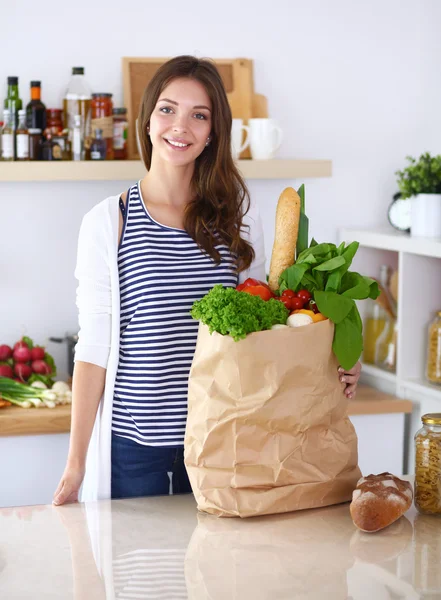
54, 122
433, 368
120, 127
428, 465
102, 118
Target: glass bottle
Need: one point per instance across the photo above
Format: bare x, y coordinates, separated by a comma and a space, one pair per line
22, 137
98, 147
428, 465
35, 109
77, 139
386, 346
77, 101
120, 129
377, 318
433, 364
7, 136
102, 118
35, 141
51, 150
14, 104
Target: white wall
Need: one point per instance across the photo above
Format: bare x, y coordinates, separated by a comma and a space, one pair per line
355, 82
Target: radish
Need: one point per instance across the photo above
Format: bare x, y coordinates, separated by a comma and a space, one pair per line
37, 353
23, 371
20, 344
22, 354
40, 367
6, 371
5, 352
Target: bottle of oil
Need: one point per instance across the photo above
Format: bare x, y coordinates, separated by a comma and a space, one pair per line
77, 101
35, 109
376, 320
14, 104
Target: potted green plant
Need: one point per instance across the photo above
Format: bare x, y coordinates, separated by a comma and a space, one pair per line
421, 182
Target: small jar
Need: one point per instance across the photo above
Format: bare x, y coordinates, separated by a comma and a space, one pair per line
433, 369
428, 465
102, 118
120, 127
54, 122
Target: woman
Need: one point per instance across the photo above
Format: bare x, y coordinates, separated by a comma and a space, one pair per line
143, 259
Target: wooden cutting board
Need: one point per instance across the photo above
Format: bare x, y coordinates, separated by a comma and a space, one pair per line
237, 77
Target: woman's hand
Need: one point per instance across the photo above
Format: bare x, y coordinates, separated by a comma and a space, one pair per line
351, 379
69, 486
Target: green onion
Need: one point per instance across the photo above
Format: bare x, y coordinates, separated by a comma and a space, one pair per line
24, 395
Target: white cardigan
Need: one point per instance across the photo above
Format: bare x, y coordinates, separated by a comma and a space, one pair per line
98, 304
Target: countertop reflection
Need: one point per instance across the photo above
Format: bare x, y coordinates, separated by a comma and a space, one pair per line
163, 548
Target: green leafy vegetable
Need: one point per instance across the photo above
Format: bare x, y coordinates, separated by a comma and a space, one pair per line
302, 236
323, 269
234, 313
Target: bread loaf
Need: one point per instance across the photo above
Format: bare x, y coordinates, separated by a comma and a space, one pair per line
379, 500
285, 239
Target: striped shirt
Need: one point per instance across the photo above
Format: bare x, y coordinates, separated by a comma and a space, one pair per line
162, 272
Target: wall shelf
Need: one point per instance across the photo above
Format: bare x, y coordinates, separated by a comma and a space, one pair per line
131, 170
389, 239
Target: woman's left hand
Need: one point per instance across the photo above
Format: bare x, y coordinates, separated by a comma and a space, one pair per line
351, 379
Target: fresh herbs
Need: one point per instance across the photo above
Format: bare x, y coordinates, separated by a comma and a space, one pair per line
323, 269
231, 312
420, 177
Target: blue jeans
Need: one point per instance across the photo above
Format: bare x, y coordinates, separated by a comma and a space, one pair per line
139, 470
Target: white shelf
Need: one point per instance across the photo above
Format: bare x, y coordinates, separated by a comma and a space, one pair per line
131, 170
423, 387
390, 239
378, 373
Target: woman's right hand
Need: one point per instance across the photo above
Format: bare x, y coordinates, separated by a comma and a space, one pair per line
69, 486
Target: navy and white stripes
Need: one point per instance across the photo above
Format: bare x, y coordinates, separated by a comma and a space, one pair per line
162, 271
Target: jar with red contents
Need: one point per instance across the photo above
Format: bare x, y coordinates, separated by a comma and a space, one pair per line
102, 118
54, 121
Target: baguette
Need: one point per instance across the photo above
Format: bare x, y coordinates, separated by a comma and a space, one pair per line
379, 500
285, 240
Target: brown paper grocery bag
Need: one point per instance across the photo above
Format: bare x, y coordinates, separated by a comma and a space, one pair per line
267, 428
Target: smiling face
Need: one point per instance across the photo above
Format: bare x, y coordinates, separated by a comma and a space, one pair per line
181, 122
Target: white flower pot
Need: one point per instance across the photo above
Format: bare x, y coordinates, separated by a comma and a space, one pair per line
426, 215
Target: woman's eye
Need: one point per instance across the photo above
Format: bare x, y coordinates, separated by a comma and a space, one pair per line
165, 109
201, 116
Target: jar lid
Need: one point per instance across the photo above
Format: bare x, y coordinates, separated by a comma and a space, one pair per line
431, 419
119, 111
54, 111
101, 95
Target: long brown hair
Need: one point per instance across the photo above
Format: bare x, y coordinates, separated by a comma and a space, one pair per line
215, 215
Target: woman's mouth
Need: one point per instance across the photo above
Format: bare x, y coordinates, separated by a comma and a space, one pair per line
180, 146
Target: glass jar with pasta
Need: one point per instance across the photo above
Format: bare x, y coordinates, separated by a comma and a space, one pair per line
428, 465
434, 351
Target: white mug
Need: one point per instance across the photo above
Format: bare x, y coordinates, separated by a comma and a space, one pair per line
265, 138
237, 146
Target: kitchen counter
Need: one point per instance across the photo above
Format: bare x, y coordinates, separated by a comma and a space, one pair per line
162, 547
20, 421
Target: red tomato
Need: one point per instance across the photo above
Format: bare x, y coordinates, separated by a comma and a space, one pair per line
304, 296
286, 301
288, 294
296, 303
258, 290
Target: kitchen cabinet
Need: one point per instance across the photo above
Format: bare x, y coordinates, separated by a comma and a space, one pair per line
38, 441
418, 261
